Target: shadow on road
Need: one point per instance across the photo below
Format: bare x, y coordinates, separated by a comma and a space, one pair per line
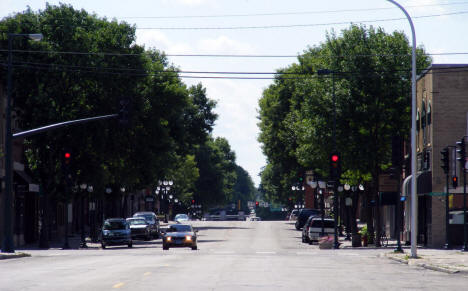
210, 240
220, 227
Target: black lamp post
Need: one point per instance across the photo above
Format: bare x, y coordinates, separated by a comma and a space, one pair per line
83, 238
8, 245
165, 187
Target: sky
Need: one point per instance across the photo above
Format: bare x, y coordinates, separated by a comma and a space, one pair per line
244, 27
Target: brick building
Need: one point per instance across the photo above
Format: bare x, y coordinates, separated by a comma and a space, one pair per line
442, 117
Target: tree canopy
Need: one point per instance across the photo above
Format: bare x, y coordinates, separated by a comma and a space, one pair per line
84, 66
368, 76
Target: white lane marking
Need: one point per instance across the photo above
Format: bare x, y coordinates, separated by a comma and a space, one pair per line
118, 285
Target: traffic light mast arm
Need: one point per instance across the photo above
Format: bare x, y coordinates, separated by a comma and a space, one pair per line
61, 124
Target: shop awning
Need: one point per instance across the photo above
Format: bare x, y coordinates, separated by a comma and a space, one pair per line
423, 184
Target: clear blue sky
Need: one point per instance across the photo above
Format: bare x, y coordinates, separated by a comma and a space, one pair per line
238, 99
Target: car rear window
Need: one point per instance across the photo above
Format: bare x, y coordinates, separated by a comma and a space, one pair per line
114, 225
326, 224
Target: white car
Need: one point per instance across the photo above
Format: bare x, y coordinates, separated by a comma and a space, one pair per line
294, 215
255, 219
181, 218
315, 228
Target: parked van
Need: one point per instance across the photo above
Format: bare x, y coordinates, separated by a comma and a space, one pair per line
315, 229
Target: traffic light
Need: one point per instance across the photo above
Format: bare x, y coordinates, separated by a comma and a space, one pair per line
193, 201
123, 111
257, 204
445, 160
66, 165
335, 166
461, 152
455, 181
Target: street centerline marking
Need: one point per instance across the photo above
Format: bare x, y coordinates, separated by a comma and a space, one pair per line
118, 285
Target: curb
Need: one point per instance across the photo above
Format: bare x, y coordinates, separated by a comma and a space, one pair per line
426, 266
13, 256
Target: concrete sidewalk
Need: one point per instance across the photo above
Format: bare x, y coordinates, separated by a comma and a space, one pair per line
447, 261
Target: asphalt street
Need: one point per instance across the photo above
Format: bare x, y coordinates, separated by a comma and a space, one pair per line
232, 255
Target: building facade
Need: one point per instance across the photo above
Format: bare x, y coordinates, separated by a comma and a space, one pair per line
442, 117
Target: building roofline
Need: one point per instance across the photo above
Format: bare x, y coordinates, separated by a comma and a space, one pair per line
439, 66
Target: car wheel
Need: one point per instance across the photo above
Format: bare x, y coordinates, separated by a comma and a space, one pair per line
130, 244
165, 248
103, 246
194, 248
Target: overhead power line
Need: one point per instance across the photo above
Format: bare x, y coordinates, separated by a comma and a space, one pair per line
287, 13
299, 25
188, 74
223, 55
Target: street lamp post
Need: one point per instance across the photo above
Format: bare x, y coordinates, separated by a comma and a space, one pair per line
414, 196
8, 245
104, 212
92, 214
165, 187
83, 238
299, 201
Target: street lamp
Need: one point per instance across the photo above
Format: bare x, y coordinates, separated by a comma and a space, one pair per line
414, 196
92, 214
8, 245
83, 244
165, 187
104, 206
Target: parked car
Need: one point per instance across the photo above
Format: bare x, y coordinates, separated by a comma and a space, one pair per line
181, 217
139, 228
180, 235
305, 229
304, 214
293, 215
315, 229
116, 231
255, 218
152, 221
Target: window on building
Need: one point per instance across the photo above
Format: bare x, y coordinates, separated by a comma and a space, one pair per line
423, 115
418, 121
429, 113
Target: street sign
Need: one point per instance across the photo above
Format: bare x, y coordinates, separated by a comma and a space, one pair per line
330, 184
387, 184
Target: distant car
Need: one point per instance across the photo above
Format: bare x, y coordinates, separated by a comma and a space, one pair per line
255, 218
116, 231
293, 215
315, 229
181, 218
305, 229
152, 221
180, 235
139, 228
304, 214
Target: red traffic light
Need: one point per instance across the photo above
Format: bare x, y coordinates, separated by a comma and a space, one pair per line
193, 201
257, 203
335, 158
67, 155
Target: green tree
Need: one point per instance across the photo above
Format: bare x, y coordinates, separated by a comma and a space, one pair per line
371, 77
244, 189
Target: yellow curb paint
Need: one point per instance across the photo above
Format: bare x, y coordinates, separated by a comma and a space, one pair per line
147, 273
118, 285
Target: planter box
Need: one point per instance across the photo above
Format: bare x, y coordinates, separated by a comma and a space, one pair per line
356, 240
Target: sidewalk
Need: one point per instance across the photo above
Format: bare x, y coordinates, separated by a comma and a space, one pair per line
447, 261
